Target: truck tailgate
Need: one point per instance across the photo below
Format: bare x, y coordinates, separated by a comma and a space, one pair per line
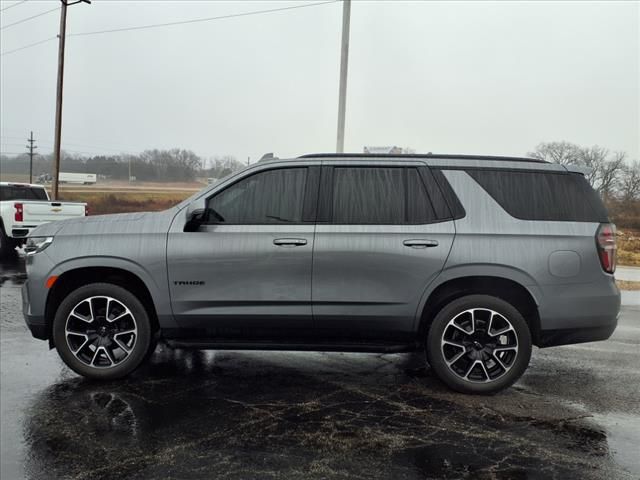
37, 212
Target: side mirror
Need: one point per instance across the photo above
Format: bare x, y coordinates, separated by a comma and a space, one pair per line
194, 215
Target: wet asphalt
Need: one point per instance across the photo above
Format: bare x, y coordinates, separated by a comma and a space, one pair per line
239, 415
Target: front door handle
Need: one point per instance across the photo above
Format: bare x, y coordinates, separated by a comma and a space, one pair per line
420, 243
290, 242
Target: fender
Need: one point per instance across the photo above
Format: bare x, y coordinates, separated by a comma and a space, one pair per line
157, 287
479, 270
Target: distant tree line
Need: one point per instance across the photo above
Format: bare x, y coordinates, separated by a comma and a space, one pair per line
609, 173
174, 165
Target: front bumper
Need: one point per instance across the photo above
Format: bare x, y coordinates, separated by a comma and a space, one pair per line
36, 323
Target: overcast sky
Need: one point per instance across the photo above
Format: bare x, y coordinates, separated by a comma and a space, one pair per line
448, 77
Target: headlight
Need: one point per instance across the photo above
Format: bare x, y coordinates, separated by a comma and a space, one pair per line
37, 244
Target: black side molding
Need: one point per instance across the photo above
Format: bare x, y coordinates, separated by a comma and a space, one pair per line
230, 344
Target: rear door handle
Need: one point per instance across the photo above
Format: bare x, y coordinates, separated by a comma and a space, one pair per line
290, 242
420, 243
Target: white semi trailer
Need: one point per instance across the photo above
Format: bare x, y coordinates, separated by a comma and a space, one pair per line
82, 178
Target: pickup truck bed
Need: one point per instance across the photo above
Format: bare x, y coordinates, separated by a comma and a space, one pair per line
24, 206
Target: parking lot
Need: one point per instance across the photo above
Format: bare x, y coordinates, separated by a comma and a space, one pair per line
194, 414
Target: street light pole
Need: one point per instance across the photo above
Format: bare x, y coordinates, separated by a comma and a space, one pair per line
58, 131
344, 64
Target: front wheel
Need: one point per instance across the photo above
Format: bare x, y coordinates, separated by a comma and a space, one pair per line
479, 344
102, 331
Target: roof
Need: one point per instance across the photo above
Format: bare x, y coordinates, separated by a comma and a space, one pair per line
20, 184
423, 155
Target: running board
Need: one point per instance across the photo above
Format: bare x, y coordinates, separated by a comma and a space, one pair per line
216, 344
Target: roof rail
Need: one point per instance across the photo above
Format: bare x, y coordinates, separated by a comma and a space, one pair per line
423, 155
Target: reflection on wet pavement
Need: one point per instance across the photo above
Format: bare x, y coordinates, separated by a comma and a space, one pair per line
193, 414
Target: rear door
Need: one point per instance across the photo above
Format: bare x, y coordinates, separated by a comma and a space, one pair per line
247, 272
380, 240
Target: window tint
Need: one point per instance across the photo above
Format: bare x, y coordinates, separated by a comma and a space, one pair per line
12, 192
419, 207
452, 205
543, 196
274, 196
379, 195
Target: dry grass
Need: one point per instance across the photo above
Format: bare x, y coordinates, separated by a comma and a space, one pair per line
101, 203
628, 247
15, 177
627, 285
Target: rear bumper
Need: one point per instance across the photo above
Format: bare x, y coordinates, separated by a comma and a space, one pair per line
578, 313
552, 338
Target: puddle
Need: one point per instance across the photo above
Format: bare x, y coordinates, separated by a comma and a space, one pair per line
623, 437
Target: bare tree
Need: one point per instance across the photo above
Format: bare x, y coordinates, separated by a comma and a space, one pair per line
610, 173
605, 169
223, 166
564, 153
630, 182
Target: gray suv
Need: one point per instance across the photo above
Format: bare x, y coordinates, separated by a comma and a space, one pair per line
471, 258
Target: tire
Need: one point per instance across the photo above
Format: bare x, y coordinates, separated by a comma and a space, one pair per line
7, 244
102, 331
470, 344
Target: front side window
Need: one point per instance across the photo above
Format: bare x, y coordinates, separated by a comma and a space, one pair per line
273, 196
380, 195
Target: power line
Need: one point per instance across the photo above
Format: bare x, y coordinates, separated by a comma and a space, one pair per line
169, 24
207, 19
28, 18
11, 6
28, 46
258, 12
113, 147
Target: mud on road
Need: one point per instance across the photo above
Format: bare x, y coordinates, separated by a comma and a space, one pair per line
193, 414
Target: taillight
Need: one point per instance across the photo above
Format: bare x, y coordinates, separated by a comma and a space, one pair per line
86, 210
606, 243
19, 212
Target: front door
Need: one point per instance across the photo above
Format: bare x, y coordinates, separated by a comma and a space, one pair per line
247, 270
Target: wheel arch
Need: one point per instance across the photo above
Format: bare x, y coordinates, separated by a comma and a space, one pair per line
77, 277
503, 287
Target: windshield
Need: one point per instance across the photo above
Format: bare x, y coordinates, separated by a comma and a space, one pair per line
22, 192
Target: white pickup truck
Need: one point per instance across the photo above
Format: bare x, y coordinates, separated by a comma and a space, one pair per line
23, 207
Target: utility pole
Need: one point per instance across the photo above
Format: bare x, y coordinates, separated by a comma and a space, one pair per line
31, 148
344, 64
58, 131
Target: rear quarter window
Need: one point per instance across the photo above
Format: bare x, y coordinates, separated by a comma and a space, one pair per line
543, 195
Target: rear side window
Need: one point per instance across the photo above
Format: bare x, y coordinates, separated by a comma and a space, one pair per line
379, 195
543, 195
17, 192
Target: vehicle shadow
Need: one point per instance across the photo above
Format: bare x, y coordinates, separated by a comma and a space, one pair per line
12, 269
195, 414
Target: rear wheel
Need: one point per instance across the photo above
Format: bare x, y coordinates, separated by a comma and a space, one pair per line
102, 331
479, 344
